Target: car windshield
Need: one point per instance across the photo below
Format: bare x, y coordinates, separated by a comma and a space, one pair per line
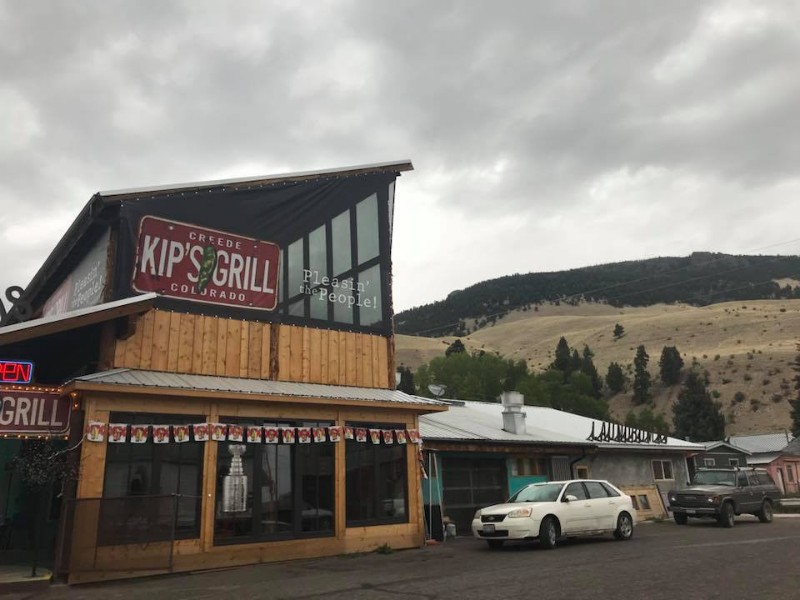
539, 492
715, 478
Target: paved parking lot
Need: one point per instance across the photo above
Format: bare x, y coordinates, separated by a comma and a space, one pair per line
663, 560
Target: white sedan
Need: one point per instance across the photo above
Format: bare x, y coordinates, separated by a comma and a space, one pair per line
557, 509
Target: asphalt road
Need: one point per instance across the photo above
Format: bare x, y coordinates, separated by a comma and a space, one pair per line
663, 560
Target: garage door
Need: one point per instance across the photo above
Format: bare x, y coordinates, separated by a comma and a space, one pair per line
469, 484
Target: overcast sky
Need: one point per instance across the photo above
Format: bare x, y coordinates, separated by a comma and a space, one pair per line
544, 135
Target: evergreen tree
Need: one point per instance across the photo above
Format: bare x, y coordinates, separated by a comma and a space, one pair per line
563, 352
575, 362
588, 369
695, 415
406, 381
670, 365
619, 331
455, 347
615, 378
641, 377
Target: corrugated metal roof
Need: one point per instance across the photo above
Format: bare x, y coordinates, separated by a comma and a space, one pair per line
236, 385
483, 421
766, 442
762, 458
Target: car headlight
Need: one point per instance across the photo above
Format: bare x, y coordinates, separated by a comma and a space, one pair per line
519, 512
477, 514
713, 499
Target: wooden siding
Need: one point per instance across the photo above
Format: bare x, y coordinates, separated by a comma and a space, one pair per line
206, 345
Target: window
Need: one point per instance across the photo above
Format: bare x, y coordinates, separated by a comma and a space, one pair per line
733, 462
336, 272
149, 469
644, 501
596, 490
577, 490
376, 488
610, 491
709, 462
764, 478
287, 490
662, 470
527, 467
635, 502
790, 473
741, 480
582, 472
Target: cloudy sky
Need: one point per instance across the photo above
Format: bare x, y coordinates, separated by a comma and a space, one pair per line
545, 135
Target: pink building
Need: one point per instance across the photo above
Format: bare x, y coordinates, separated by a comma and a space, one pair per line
779, 453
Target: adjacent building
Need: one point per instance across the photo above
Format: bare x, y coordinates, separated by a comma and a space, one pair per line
769, 451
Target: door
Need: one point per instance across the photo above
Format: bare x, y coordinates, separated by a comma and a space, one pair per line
576, 515
603, 508
744, 493
469, 484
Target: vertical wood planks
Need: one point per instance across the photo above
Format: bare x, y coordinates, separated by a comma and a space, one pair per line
145, 329
185, 343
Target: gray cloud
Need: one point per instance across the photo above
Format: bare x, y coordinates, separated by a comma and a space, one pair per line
545, 135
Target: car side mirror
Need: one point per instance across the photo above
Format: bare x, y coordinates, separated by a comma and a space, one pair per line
569, 498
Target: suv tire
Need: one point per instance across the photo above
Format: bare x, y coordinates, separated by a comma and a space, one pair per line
727, 517
680, 518
765, 514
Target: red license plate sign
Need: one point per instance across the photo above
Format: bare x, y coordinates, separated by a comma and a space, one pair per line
204, 265
31, 412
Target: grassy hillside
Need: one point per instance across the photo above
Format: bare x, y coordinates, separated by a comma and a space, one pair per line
746, 347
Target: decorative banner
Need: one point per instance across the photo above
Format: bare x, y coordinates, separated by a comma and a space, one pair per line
334, 434
413, 436
254, 434
375, 436
271, 435
348, 433
117, 433
218, 431
304, 435
287, 435
319, 435
361, 434
388, 438
400, 434
235, 433
200, 432
139, 433
180, 433
161, 434
95, 431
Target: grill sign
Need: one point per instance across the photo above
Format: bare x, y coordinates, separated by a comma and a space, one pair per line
204, 265
28, 412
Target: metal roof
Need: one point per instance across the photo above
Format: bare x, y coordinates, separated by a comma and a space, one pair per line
237, 385
766, 442
483, 421
714, 445
76, 318
402, 165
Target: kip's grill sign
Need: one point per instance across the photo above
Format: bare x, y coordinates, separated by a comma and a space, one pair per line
205, 265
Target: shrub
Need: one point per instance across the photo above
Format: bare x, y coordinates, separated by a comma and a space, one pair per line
739, 397
747, 377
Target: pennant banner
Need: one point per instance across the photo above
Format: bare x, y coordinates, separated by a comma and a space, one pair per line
161, 434
117, 433
139, 433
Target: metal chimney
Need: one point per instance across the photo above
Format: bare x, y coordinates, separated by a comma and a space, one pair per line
513, 416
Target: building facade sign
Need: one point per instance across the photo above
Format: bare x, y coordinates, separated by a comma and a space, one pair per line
29, 412
195, 263
16, 371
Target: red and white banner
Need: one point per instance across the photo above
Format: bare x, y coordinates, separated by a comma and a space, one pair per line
180, 433
117, 433
271, 435
161, 434
200, 431
254, 435
139, 433
235, 433
95, 431
287, 435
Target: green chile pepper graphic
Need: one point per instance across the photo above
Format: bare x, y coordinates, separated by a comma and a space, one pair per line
206, 268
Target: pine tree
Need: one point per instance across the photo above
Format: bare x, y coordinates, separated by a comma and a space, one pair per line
696, 417
641, 377
588, 369
619, 331
615, 378
563, 352
455, 347
575, 362
670, 365
406, 381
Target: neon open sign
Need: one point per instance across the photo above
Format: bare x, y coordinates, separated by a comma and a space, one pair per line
16, 371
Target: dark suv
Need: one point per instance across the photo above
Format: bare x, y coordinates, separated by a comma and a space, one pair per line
724, 493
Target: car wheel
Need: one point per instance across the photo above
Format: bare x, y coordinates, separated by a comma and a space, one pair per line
495, 544
765, 514
548, 533
624, 530
726, 516
680, 518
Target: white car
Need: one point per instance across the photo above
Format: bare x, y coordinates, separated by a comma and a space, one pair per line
557, 509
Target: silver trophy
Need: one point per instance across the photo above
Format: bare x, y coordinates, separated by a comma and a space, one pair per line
234, 485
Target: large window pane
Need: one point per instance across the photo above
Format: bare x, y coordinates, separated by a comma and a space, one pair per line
369, 289
294, 259
340, 240
367, 223
343, 305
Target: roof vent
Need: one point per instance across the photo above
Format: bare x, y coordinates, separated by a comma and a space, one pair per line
513, 416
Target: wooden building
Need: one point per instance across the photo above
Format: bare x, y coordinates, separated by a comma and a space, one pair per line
227, 351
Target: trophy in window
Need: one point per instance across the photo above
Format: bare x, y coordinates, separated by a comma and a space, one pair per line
234, 485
